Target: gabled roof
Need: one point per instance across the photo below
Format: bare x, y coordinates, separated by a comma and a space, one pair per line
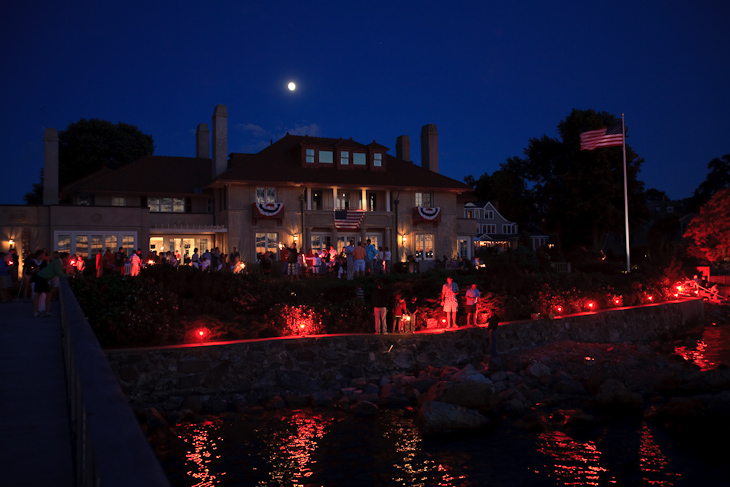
281, 163
150, 175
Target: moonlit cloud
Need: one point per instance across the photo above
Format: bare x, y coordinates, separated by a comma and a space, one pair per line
312, 129
252, 129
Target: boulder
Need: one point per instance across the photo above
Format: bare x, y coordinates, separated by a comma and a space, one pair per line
439, 418
468, 394
364, 408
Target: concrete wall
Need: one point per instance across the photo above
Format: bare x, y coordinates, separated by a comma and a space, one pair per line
256, 370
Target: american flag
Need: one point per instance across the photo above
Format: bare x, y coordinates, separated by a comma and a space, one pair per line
348, 219
603, 137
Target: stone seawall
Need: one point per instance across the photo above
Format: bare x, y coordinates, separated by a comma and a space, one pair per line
215, 377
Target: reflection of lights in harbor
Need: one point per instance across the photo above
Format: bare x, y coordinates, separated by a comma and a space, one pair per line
202, 439
575, 463
652, 461
290, 449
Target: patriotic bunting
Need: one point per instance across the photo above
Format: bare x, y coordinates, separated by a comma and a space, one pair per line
268, 210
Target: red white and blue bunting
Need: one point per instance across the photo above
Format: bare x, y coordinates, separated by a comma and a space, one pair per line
428, 214
268, 210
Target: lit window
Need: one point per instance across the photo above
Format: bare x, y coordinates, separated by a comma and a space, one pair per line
166, 205
424, 200
424, 247
377, 160
345, 158
358, 158
326, 157
309, 156
265, 195
119, 201
267, 242
489, 215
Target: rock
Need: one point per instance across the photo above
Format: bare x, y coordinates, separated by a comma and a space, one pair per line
469, 373
216, 405
439, 418
365, 408
537, 369
321, 399
154, 419
194, 403
468, 394
276, 402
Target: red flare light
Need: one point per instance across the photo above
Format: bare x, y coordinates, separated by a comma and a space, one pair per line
559, 309
590, 306
650, 298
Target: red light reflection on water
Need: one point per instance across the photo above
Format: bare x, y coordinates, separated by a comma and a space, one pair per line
290, 449
711, 351
651, 460
575, 462
202, 438
423, 471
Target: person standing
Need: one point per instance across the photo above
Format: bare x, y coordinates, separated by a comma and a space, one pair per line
41, 282
380, 309
493, 326
359, 255
400, 312
449, 291
472, 297
370, 253
349, 250
386, 257
135, 262
119, 258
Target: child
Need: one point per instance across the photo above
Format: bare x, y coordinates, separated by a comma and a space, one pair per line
399, 312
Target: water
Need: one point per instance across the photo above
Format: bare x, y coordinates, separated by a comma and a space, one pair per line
332, 448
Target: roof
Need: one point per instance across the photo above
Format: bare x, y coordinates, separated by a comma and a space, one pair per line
150, 175
280, 163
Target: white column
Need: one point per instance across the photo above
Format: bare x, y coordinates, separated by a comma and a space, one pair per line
363, 200
334, 198
309, 198
387, 200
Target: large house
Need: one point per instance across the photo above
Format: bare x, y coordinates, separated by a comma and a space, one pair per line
315, 191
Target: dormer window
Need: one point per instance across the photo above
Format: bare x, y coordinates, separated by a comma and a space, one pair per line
345, 158
378, 160
326, 157
358, 158
309, 158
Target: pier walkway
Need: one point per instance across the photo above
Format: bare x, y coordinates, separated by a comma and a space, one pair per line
35, 428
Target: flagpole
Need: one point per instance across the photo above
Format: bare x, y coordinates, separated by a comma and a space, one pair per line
626, 198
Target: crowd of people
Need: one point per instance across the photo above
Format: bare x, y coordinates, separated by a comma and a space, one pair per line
352, 261
405, 311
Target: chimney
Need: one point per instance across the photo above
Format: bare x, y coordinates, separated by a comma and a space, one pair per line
403, 148
430, 148
220, 140
202, 141
50, 167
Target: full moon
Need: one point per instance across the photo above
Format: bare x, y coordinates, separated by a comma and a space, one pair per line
292, 86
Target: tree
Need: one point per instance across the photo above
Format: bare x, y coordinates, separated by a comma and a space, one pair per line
579, 194
506, 190
89, 145
35, 197
718, 178
710, 230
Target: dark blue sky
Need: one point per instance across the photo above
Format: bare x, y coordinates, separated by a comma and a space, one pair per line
489, 74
